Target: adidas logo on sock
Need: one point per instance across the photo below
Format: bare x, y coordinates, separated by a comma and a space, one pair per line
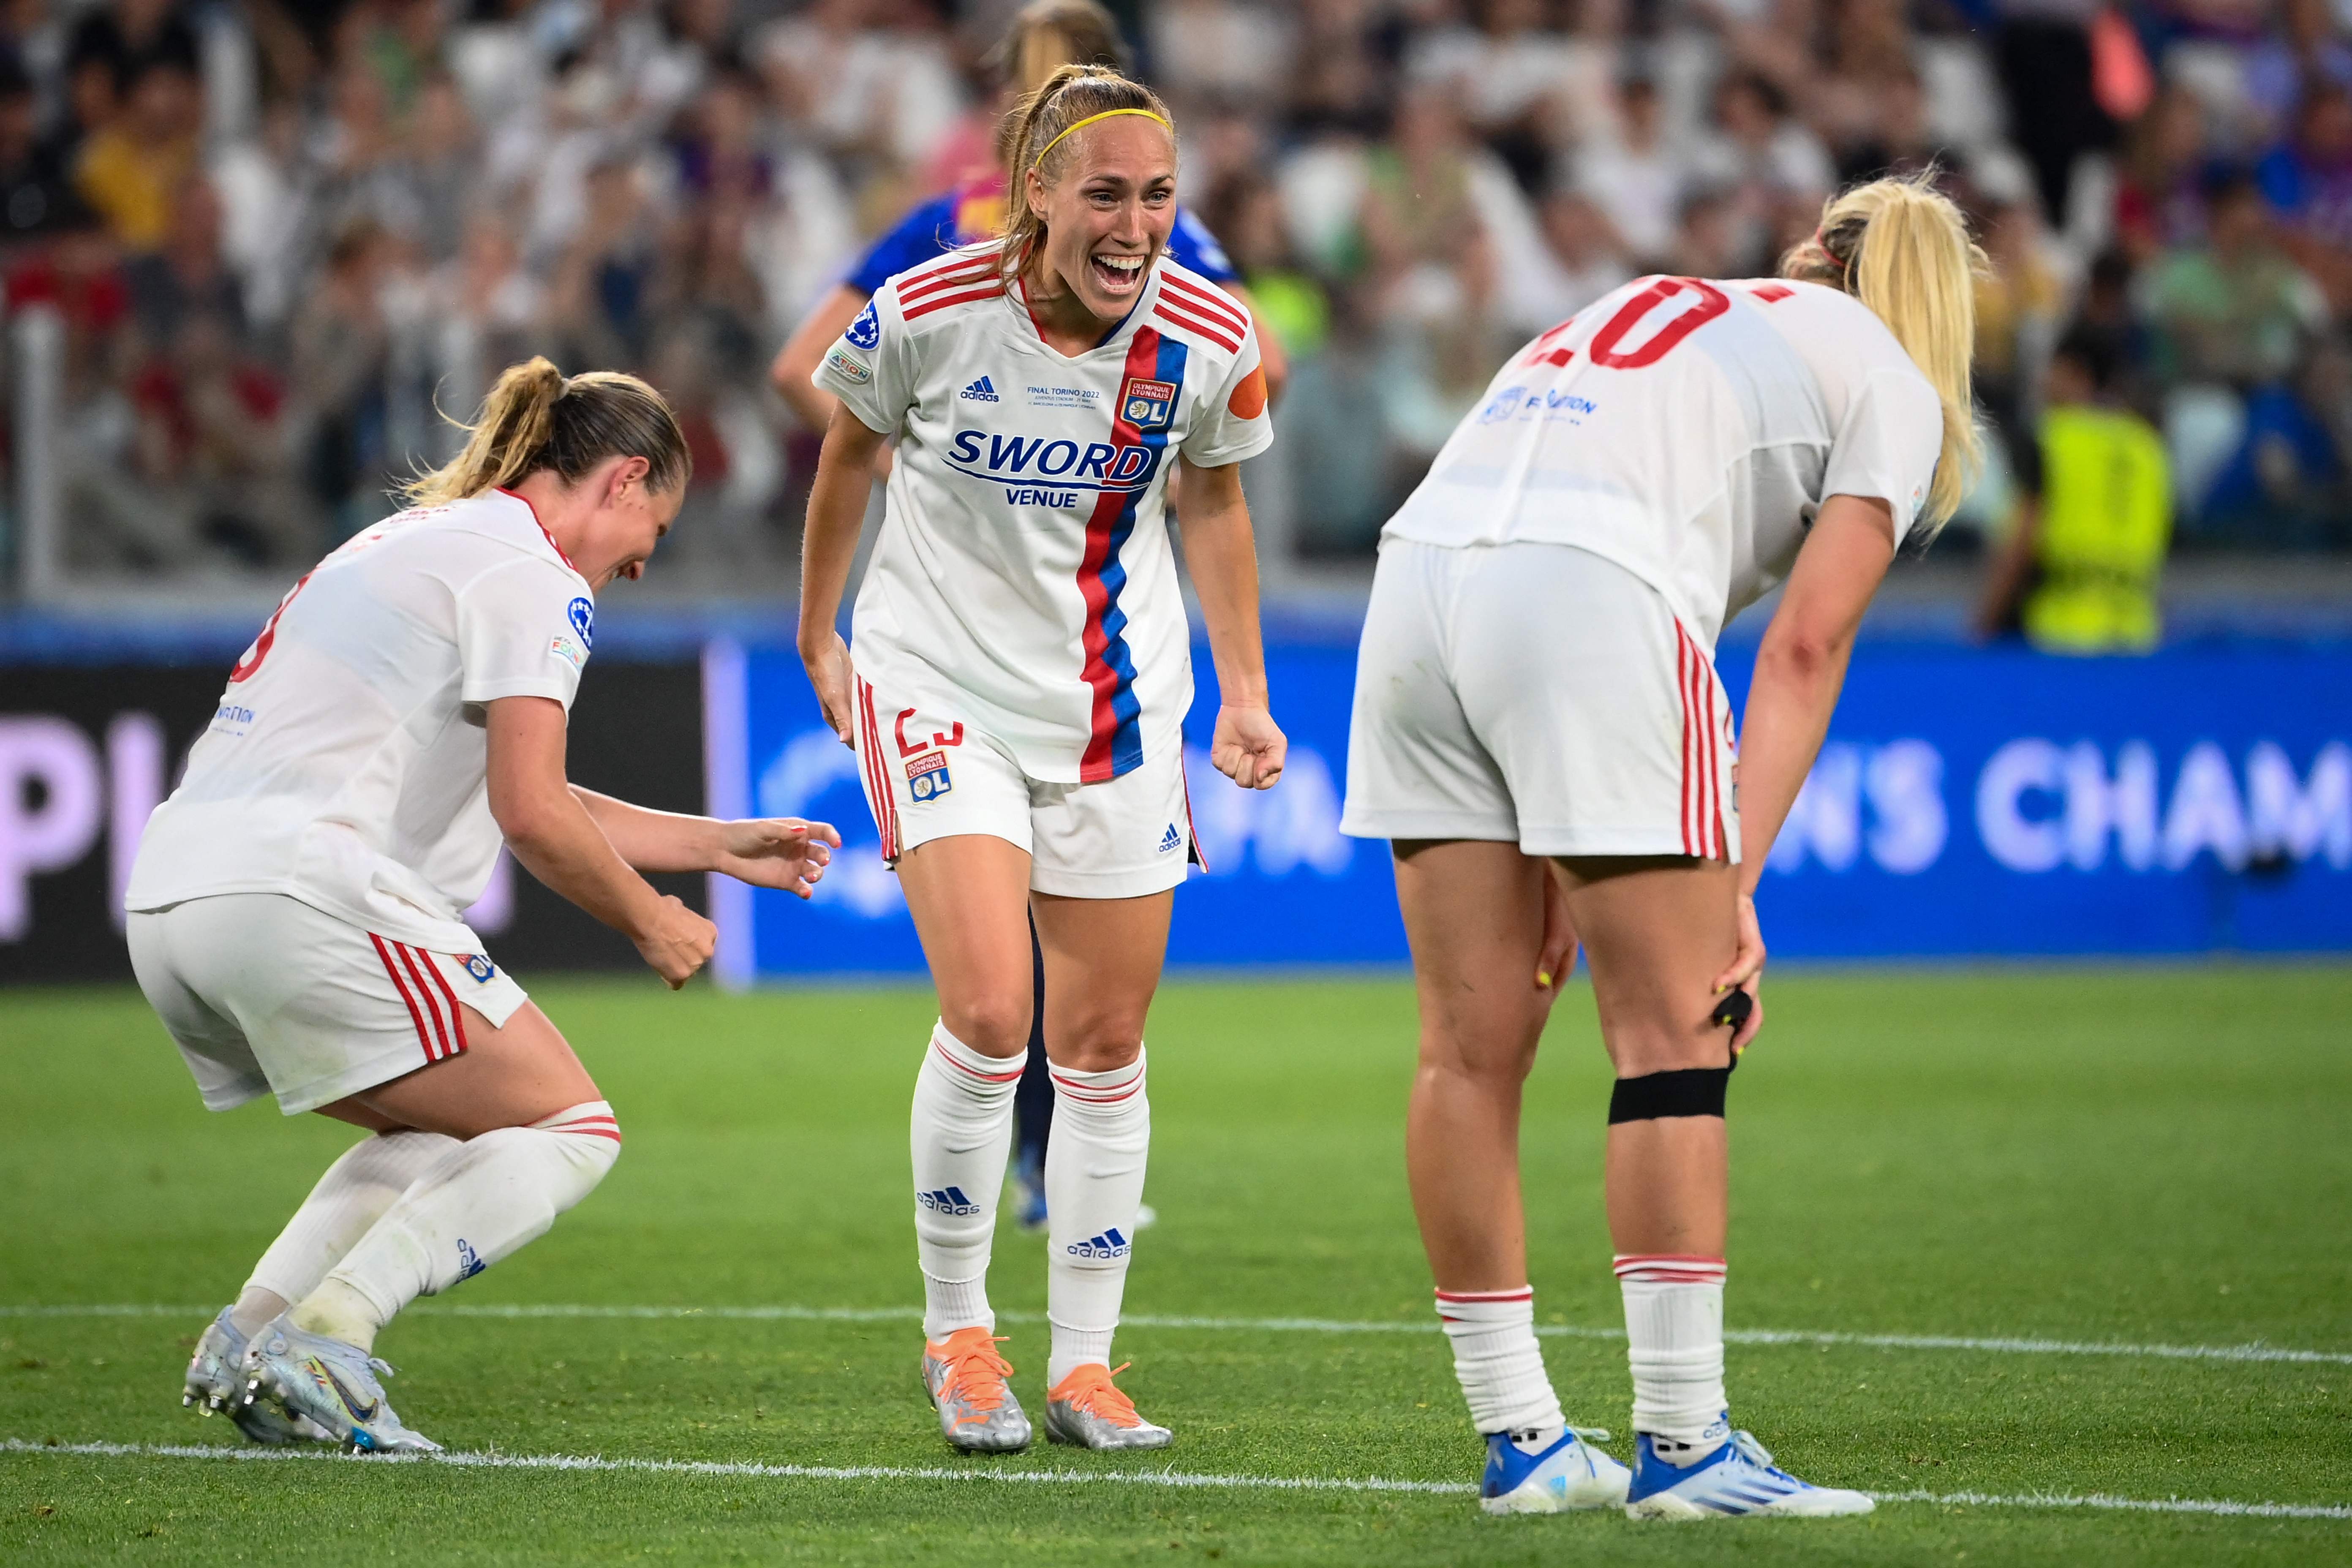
1110, 1244
947, 1200
1170, 840
981, 391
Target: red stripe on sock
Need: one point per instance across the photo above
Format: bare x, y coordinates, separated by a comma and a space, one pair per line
970, 1072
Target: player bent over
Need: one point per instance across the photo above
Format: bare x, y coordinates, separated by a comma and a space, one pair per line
1540, 730
295, 904
1021, 673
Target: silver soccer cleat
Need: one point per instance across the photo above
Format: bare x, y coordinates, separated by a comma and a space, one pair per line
216, 1385
310, 1376
1088, 1410
965, 1377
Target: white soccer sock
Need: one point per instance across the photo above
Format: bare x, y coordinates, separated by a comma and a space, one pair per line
961, 1138
1673, 1339
352, 1196
1094, 1185
479, 1202
1497, 1360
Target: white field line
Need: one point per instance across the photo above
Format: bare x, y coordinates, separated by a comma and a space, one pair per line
2216, 1506
1998, 1346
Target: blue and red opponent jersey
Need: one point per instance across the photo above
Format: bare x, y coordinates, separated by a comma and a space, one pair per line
974, 211
1023, 582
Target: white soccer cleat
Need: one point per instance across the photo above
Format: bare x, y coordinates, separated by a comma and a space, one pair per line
215, 1385
1550, 1470
965, 1377
329, 1382
1088, 1410
1736, 1479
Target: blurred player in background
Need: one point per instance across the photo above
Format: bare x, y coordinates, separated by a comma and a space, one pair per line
1540, 730
1044, 36
296, 904
1021, 672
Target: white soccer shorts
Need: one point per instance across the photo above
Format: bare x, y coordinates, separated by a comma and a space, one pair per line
1536, 694
267, 995
931, 775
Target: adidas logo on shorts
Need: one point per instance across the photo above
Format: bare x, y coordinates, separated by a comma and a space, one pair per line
981, 391
1170, 840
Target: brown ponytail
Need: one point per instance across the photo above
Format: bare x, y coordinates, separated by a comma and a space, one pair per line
1040, 141
536, 418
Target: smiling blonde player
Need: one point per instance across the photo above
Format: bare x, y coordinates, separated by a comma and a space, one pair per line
295, 906
1019, 680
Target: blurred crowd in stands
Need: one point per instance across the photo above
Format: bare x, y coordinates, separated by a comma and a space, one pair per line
282, 234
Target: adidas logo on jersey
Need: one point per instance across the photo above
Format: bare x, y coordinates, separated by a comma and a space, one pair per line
1170, 840
981, 391
947, 1200
1110, 1244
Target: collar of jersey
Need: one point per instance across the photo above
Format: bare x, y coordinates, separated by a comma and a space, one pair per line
1018, 298
512, 495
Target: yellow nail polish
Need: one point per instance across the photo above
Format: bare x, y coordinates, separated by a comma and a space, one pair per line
1543, 980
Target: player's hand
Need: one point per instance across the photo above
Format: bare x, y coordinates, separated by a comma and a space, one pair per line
677, 943
830, 675
1248, 747
1558, 955
777, 852
1746, 971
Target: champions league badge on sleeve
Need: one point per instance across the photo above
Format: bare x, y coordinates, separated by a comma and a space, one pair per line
927, 776
480, 966
1147, 404
866, 330
581, 613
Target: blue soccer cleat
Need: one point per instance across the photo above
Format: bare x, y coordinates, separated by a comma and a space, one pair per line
1737, 1479
1550, 1470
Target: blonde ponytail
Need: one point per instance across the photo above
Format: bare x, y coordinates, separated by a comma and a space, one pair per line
1041, 140
1901, 247
535, 417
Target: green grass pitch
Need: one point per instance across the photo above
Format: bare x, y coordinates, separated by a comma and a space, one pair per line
2135, 1157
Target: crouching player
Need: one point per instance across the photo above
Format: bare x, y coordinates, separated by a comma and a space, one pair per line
1536, 699
295, 906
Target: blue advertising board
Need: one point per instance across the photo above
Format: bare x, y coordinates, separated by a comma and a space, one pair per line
1969, 801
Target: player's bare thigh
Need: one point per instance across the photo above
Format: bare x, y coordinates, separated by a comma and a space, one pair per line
1656, 930
507, 1077
968, 894
1102, 961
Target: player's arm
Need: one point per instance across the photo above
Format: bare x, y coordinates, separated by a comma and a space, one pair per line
551, 832
778, 852
1270, 356
1800, 670
836, 511
797, 360
1218, 548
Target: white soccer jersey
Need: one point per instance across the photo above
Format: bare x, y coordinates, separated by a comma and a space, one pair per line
347, 764
1688, 430
1024, 574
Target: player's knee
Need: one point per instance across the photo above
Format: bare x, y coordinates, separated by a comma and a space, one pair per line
587, 1142
1096, 1040
994, 1022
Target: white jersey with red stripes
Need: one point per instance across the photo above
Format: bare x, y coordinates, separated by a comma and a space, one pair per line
347, 763
1688, 430
1023, 575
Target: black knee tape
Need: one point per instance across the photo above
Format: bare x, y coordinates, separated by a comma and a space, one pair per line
1692, 1091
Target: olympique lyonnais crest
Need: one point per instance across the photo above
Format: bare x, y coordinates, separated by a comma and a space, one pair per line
926, 775
1147, 404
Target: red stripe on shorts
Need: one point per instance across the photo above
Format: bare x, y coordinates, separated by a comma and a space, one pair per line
416, 1017
415, 972
456, 1017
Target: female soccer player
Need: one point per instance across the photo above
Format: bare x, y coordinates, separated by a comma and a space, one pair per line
1021, 674
1538, 720
1043, 36
295, 906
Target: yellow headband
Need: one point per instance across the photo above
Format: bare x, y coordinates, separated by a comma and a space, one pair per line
1089, 119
